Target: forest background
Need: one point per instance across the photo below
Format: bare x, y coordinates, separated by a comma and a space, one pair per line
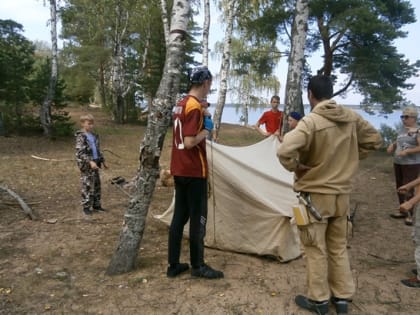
35, 17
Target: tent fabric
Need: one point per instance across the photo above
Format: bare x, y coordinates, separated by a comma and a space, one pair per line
250, 203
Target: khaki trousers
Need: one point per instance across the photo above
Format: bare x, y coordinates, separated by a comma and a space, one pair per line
325, 245
416, 237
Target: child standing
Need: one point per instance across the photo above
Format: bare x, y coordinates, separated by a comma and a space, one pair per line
89, 160
413, 202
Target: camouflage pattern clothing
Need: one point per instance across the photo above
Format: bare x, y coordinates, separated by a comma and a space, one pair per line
89, 178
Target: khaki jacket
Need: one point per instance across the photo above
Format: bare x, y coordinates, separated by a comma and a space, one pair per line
331, 140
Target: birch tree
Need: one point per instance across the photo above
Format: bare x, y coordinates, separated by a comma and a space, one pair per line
165, 20
293, 95
119, 85
126, 253
248, 81
230, 13
206, 32
45, 110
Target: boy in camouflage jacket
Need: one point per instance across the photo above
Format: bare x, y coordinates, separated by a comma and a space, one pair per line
89, 160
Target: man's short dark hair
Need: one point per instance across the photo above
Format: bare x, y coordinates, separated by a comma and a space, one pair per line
321, 87
275, 98
198, 75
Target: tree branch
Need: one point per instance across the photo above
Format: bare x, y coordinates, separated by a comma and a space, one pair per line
22, 203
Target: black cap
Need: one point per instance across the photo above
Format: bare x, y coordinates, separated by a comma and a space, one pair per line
199, 75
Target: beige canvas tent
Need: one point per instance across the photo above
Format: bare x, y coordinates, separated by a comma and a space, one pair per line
250, 204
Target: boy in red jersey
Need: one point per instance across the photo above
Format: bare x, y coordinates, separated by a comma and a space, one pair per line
272, 119
189, 168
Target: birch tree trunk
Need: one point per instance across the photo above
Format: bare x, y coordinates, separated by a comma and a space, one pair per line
102, 85
45, 110
125, 256
293, 97
206, 32
118, 81
165, 20
231, 8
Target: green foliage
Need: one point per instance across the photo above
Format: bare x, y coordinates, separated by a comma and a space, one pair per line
16, 60
358, 42
251, 74
24, 80
389, 134
62, 125
40, 79
94, 31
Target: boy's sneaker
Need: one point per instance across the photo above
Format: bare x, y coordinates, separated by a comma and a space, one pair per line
176, 269
99, 208
205, 271
412, 282
414, 271
87, 211
320, 308
341, 305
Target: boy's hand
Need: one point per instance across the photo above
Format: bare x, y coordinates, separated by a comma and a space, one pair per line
406, 206
403, 189
105, 165
206, 113
93, 165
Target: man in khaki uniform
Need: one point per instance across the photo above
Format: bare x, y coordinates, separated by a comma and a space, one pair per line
324, 151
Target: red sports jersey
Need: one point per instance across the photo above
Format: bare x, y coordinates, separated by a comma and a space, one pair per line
188, 121
271, 120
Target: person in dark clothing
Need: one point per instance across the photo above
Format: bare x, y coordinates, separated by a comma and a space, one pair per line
189, 167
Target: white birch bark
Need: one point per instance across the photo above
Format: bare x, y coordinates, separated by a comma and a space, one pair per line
293, 97
206, 32
165, 20
45, 110
230, 8
125, 256
118, 81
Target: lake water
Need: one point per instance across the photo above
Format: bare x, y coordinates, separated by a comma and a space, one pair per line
232, 115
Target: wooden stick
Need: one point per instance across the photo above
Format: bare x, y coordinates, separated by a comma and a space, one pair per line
107, 150
22, 203
46, 159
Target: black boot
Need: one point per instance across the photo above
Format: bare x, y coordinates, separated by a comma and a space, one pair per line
320, 308
205, 271
87, 211
98, 208
176, 269
341, 305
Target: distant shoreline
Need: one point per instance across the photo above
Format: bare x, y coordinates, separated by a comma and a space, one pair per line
281, 106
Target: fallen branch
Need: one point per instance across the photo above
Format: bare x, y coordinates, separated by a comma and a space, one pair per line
107, 150
22, 203
46, 159
392, 261
28, 203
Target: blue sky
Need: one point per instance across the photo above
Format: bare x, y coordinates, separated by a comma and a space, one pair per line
33, 15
